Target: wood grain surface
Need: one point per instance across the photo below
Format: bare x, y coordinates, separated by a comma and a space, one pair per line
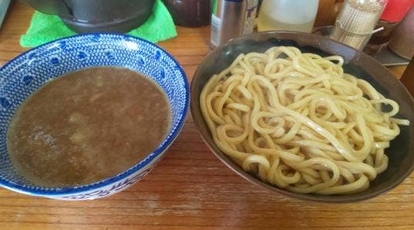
191, 188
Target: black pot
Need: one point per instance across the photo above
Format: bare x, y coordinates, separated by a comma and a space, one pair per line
97, 15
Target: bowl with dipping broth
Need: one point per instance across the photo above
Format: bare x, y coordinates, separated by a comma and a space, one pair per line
304, 116
87, 116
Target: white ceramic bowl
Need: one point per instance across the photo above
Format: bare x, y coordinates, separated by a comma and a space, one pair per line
27, 72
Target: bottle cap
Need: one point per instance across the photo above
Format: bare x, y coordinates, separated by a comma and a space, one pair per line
395, 10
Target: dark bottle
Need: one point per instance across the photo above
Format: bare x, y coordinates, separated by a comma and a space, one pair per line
393, 13
189, 13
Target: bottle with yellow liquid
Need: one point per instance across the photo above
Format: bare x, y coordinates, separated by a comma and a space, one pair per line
292, 15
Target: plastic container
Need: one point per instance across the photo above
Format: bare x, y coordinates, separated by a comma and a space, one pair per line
297, 15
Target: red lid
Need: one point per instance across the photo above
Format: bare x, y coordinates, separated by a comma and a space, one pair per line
395, 10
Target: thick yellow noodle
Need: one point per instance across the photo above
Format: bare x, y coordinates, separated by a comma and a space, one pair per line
297, 121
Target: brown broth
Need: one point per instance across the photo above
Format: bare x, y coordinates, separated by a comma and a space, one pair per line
87, 125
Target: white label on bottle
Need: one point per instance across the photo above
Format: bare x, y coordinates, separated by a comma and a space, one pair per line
215, 30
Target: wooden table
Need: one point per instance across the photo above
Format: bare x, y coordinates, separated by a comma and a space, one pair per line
191, 188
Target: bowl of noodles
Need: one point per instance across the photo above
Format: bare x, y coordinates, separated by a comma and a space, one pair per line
304, 116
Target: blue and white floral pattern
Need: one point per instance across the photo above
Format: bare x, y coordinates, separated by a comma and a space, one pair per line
27, 72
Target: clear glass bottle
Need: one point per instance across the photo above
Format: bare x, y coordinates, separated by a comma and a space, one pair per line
293, 15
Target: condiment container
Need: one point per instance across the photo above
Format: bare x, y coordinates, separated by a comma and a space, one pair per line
297, 15
402, 39
231, 18
394, 12
356, 22
189, 13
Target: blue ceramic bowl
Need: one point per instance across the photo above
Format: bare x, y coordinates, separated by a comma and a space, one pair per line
29, 71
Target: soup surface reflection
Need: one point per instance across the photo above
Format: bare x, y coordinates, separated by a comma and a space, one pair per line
87, 125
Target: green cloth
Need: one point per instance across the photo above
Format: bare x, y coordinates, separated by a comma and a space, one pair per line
45, 28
